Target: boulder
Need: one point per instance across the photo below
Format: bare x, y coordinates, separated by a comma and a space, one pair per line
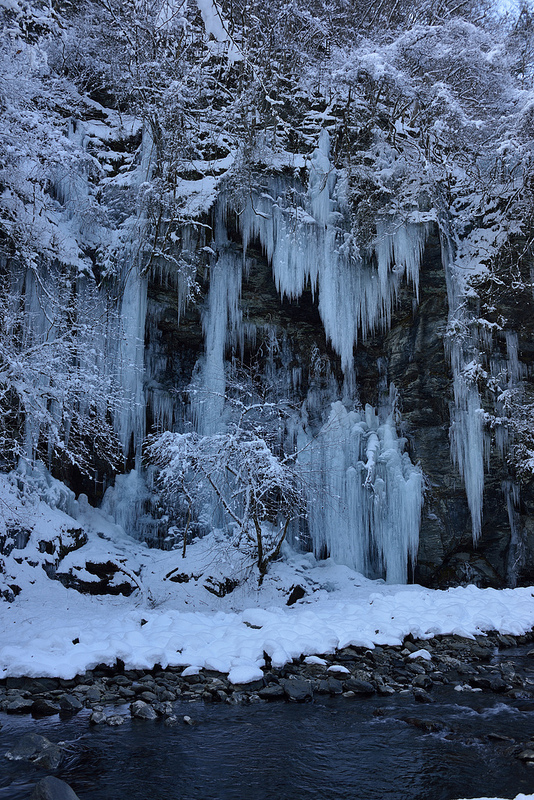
51, 788
142, 710
272, 692
296, 690
27, 747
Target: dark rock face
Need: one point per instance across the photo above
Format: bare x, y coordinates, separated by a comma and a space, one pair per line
411, 354
297, 690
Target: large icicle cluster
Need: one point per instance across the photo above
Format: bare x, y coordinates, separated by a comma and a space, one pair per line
308, 245
365, 493
368, 515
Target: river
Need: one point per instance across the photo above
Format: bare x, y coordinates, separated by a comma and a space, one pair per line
332, 748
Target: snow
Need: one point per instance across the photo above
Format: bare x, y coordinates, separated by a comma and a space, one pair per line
424, 654
519, 797
217, 28
49, 630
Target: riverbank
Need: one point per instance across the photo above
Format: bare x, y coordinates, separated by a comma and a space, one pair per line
391, 738
418, 666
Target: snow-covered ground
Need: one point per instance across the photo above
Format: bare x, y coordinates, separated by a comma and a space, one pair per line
50, 630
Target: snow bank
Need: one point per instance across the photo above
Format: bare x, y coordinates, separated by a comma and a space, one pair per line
62, 633
49, 630
519, 797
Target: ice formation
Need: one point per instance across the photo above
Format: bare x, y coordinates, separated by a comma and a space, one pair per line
307, 245
369, 517
365, 493
467, 341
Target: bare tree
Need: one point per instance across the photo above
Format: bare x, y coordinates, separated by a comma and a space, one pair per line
257, 492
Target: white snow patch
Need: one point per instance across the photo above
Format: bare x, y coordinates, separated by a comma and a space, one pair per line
421, 654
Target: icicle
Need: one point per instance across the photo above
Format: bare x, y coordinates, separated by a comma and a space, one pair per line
371, 493
467, 436
516, 549
307, 246
221, 321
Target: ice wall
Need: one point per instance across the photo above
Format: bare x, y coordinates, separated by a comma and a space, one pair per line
476, 363
371, 493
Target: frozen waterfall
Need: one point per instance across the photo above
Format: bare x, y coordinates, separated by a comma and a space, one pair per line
365, 493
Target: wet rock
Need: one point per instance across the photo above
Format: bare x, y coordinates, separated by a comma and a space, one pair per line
411, 647
166, 695
50, 757
385, 689
43, 707
148, 697
121, 680
272, 692
253, 686
142, 710
19, 705
526, 755
498, 737
421, 696
358, 686
51, 788
27, 747
93, 694
490, 683
69, 704
97, 718
416, 669
163, 709
297, 690
334, 686
422, 682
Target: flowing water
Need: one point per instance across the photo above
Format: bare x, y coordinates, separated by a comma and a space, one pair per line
332, 748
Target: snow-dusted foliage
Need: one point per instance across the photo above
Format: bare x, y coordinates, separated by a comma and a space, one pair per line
256, 493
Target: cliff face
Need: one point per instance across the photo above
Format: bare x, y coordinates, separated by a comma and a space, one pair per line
286, 346
323, 226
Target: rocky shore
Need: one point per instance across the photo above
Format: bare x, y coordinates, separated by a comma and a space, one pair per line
418, 670
417, 666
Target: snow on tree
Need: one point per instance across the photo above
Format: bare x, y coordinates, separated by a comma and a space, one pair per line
257, 493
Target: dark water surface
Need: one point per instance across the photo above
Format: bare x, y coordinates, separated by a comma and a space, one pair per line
332, 748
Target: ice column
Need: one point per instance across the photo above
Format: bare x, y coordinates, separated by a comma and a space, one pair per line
131, 418
131, 421
467, 416
221, 322
365, 493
